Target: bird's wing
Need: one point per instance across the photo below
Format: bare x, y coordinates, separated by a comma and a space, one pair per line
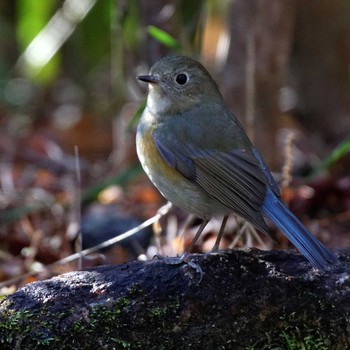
235, 177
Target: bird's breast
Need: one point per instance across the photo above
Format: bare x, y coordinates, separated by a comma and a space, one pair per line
155, 167
173, 186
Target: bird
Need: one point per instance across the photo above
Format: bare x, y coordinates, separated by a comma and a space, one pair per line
197, 154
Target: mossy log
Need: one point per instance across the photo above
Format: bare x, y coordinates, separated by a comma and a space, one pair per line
246, 299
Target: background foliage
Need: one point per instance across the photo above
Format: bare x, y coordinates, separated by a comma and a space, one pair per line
67, 86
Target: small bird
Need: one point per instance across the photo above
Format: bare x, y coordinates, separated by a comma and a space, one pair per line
196, 152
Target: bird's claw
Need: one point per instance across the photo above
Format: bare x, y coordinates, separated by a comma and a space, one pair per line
184, 259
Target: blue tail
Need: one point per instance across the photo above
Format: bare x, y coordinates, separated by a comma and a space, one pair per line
294, 230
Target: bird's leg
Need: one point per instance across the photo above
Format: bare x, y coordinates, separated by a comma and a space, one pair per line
221, 232
196, 237
185, 258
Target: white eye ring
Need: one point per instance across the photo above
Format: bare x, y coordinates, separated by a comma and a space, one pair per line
182, 79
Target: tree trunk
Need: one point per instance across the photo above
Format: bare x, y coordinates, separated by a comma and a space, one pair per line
261, 33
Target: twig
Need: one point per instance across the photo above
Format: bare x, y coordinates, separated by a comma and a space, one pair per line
161, 212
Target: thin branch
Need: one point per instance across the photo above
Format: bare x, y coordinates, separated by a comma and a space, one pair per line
161, 212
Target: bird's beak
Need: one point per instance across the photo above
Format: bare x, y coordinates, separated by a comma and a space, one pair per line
151, 79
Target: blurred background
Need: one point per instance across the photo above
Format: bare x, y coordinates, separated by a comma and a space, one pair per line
69, 106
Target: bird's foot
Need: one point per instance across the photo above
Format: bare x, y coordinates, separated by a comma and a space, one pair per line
183, 259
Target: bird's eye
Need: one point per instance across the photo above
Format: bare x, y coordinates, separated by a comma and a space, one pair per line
181, 79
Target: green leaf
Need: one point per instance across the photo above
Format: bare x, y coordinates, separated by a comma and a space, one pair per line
33, 16
335, 155
163, 37
131, 25
135, 118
